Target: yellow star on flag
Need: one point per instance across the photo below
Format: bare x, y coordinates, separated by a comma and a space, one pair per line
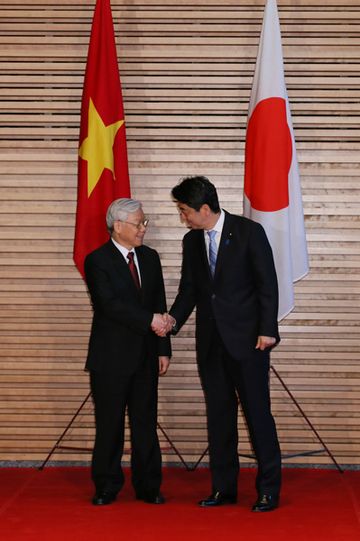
97, 148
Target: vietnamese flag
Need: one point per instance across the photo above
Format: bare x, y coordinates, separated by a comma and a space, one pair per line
103, 167
272, 194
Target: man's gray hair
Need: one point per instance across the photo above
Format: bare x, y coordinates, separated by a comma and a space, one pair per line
119, 210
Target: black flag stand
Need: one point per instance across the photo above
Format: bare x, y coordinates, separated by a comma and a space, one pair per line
68, 426
194, 466
313, 429
59, 446
305, 417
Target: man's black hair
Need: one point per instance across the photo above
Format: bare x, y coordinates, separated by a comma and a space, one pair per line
196, 191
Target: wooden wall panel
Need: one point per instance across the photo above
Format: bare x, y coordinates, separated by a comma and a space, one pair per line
186, 71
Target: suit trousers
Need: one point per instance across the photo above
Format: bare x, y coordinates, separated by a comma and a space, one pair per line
112, 394
226, 381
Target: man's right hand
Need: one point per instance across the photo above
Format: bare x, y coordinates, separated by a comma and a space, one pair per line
162, 324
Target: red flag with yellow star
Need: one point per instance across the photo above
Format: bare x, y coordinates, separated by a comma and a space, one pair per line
103, 167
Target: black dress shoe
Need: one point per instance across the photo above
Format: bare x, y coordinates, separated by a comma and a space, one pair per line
104, 498
149, 497
218, 498
265, 502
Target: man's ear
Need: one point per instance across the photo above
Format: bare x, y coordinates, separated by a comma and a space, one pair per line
205, 209
117, 226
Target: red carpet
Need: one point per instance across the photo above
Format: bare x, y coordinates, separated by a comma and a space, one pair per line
54, 505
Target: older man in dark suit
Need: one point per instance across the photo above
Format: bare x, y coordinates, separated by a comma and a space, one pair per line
228, 274
125, 356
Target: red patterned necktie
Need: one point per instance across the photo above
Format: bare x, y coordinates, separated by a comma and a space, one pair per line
133, 269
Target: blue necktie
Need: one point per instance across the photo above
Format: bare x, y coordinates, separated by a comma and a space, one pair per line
212, 251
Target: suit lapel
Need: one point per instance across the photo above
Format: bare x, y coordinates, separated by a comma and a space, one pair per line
201, 251
142, 260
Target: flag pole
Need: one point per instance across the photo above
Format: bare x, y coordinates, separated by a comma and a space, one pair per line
102, 134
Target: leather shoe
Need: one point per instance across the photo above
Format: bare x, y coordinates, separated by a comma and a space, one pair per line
149, 497
104, 498
216, 499
265, 502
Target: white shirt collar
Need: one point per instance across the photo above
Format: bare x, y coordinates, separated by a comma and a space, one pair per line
218, 227
123, 250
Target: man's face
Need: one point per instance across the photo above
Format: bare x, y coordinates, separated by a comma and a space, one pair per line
193, 219
130, 233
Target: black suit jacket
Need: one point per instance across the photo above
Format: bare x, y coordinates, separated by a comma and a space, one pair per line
241, 299
121, 333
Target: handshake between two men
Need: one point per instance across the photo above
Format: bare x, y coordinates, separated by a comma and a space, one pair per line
162, 324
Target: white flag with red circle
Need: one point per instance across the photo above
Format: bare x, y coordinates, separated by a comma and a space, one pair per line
272, 194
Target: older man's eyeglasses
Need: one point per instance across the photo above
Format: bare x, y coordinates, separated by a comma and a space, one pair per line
139, 225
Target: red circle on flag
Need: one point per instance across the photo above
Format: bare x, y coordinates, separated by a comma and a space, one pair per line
268, 156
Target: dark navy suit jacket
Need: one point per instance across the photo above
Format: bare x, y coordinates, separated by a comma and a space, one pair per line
242, 298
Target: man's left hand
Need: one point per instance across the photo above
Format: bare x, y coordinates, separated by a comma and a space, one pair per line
163, 365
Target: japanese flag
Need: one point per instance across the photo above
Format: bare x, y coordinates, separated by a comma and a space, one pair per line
272, 194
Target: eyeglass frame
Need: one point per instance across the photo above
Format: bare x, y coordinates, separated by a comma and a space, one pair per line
144, 223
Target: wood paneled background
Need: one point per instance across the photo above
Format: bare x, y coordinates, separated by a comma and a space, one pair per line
186, 70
